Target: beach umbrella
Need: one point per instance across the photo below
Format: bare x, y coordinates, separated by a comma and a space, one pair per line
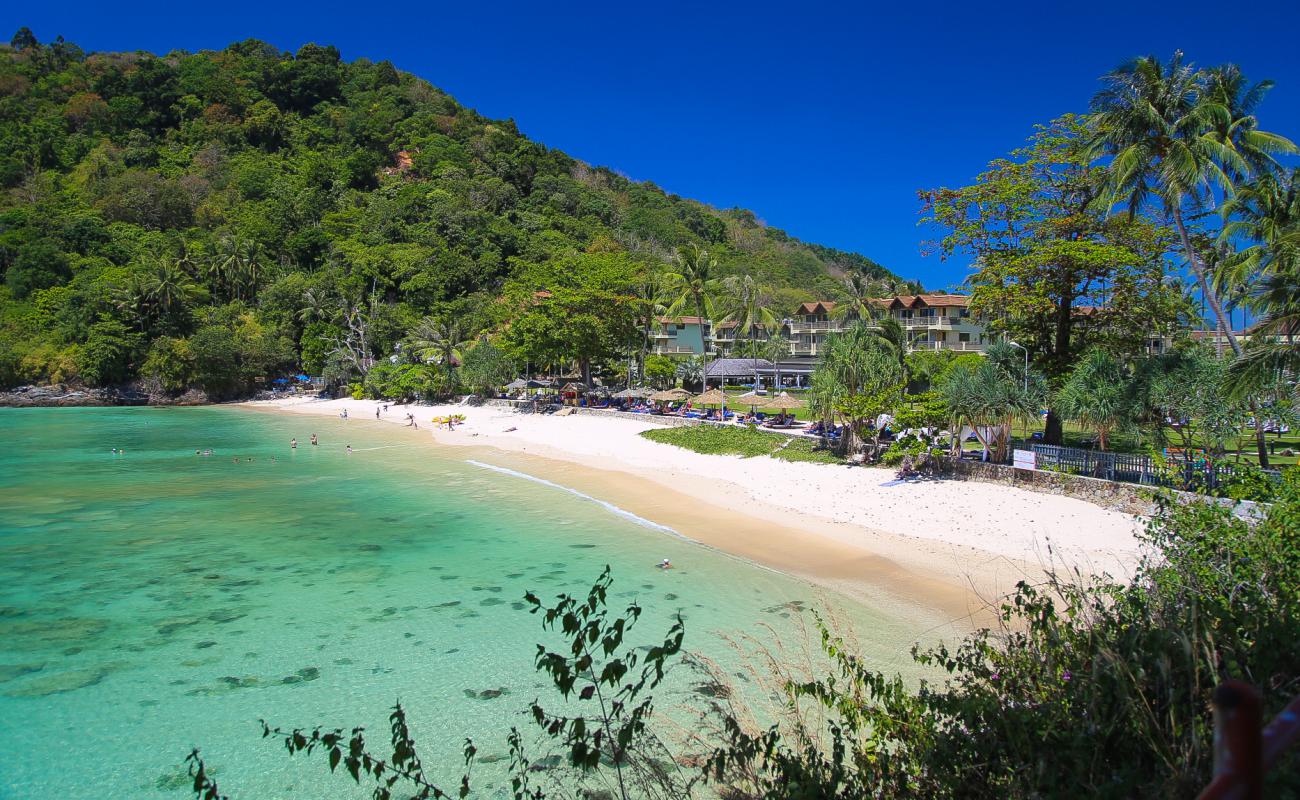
713, 397
302, 377
786, 402
517, 383
669, 395
751, 399
631, 393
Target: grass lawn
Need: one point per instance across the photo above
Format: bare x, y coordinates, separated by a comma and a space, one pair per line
742, 441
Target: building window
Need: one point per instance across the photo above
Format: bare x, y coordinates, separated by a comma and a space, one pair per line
963, 337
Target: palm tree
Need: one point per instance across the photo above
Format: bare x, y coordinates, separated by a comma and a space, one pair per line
859, 291
746, 307
654, 297
1098, 395
440, 340
692, 286
990, 396
776, 349
858, 379
1174, 136
170, 288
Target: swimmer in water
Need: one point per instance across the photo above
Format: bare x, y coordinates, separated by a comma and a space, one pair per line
313, 439
665, 564
293, 444
349, 449
198, 452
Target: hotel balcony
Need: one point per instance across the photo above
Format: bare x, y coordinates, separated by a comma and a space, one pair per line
674, 350
933, 323
964, 347
827, 326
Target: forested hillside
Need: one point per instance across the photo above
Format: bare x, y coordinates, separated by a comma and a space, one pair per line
209, 217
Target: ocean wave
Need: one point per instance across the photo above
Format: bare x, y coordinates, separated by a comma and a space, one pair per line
610, 507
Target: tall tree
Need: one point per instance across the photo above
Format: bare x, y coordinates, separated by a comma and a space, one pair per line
694, 281
1052, 271
1176, 136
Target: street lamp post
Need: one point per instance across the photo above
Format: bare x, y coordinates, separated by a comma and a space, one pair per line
1026, 352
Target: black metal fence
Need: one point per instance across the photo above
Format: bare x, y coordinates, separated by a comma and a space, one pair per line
1177, 473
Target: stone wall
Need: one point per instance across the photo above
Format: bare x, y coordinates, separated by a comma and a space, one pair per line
1129, 498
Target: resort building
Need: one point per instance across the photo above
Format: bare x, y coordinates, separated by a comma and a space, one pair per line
931, 322
681, 336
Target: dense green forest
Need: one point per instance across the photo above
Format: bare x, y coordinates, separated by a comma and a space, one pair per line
205, 219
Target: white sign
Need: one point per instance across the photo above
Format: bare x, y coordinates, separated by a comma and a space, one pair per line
1024, 459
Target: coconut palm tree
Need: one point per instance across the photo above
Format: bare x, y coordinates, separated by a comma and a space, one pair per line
858, 290
692, 284
439, 340
1098, 395
745, 306
1174, 141
858, 379
171, 290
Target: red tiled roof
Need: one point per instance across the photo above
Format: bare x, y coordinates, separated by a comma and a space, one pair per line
820, 306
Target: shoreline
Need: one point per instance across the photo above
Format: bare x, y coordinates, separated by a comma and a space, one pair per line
940, 545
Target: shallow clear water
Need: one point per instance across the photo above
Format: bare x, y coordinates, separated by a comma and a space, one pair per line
158, 600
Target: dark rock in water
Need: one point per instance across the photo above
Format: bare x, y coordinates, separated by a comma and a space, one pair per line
204, 645
238, 683
148, 703
388, 612
471, 694
670, 596
518, 606
582, 546
10, 671
62, 396
514, 575
452, 650
712, 689
222, 616
57, 683
168, 628
343, 661
492, 694
408, 635
390, 519
491, 601
543, 764
309, 673
449, 604
370, 548
448, 577
291, 679
211, 577
490, 758
72, 651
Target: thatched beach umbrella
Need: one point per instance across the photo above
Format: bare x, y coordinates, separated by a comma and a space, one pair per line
752, 399
669, 395
786, 402
713, 397
631, 393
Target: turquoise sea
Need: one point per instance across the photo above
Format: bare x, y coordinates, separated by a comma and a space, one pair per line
157, 600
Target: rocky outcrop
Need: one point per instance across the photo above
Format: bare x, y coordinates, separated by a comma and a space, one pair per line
67, 396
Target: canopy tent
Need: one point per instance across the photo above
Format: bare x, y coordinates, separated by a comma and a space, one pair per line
536, 384
517, 384
302, 377
669, 395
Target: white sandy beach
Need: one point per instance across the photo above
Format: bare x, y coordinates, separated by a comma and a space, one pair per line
830, 523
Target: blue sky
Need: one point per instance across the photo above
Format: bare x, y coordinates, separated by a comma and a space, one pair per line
823, 119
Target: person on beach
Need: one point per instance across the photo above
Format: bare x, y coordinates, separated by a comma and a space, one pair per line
293, 444
376, 413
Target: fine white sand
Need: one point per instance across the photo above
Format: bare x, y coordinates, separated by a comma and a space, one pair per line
825, 516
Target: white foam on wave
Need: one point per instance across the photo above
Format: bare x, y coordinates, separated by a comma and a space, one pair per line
610, 507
